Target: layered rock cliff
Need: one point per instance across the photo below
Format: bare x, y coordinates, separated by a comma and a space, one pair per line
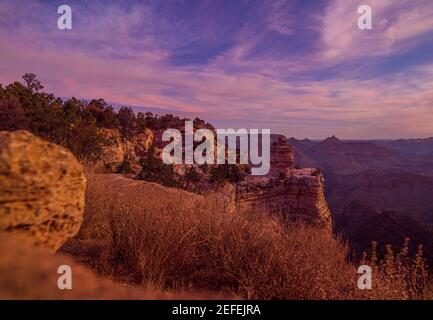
282, 156
291, 194
298, 197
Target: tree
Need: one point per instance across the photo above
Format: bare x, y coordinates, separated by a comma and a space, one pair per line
43, 111
141, 122
83, 139
151, 120
154, 169
32, 83
127, 122
104, 114
12, 115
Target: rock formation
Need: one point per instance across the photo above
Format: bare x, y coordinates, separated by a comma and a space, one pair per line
42, 189
117, 149
291, 194
281, 153
298, 197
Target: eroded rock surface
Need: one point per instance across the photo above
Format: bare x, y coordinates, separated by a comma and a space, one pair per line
298, 197
42, 189
282, 156
117, 149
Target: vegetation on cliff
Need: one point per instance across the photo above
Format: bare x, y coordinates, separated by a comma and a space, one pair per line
73, 123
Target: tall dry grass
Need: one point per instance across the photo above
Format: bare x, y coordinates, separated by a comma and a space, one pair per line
175, 245
399, 275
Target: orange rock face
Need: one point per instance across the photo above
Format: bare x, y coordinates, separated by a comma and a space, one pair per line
117, 149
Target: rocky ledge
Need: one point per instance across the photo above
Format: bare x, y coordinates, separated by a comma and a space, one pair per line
297, 196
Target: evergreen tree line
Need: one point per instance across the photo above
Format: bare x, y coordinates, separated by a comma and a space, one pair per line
72, 123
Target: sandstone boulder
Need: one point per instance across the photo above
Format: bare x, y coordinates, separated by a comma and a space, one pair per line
42, 189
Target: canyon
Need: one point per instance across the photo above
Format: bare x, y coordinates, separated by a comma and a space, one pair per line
377, 190
387, 175
319, 182
363, 191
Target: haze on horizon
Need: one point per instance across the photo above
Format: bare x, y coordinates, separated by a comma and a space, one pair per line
300, 68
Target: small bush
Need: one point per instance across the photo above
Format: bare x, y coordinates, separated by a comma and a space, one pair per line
126, 166
226, 172
154, 169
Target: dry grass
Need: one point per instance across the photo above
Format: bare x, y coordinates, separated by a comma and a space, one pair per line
399, 275
29, 272
141, 233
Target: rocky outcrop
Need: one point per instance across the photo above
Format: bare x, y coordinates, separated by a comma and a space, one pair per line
293, 194
42, 189
116, 150
281, 154
297, 197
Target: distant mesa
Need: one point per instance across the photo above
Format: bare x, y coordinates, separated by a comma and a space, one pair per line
331, 140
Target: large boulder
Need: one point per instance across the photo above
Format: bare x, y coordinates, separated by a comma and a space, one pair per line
42, 189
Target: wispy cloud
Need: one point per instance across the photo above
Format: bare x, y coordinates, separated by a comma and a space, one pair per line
300, 69
397, 26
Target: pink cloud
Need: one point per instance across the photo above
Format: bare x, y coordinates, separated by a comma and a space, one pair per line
258, 95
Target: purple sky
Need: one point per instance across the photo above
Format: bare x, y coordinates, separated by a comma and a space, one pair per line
301, 68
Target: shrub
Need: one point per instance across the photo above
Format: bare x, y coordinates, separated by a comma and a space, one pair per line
126, 166
398, 275
154, 169
282, 175
226, 172
83, 140
191, 177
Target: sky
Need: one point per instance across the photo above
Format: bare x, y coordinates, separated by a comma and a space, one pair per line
300, 68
